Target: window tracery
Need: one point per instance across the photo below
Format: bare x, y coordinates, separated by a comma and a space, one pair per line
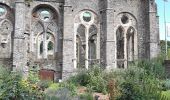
86, 39
43, 16
87, 16
6, 30
126, 40
2, 11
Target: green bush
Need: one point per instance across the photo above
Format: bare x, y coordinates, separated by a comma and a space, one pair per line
70, 86
166, 84
86, 96
92, 78
165, 95
15, 88
81, 78
139, 85
153, 67
43, 84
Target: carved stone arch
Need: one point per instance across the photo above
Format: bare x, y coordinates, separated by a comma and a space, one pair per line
6, 29
6, 33
120, 31
93, 30
79, 17
127, 13
53, 27
55, 12
9, 13
37, 28
6, 26
131, 29
126, 19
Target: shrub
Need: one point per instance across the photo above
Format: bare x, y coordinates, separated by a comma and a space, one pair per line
92, 78
86, 96
70, 86
43, 84
153, 67
14, 87
166, 84
59, 94
139, 85
81, 78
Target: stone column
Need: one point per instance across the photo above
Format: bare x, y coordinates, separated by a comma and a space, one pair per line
20, 45
68, 43
87, 48
110, 42
154, 34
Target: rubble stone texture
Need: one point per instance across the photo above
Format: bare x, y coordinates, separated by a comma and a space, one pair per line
64, 35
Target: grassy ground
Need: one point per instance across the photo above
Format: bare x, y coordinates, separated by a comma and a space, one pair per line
166, 94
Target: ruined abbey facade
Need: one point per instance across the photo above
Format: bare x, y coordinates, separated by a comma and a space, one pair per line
64, 35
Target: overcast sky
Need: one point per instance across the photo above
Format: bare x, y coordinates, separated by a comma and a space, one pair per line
160, 5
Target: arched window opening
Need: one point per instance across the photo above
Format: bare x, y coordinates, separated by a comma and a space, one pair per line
50, 46
92, 50
80, 53
81, 31
45, 15
124, 19
130, 44
46, 46
120, 47
87, 16
2, 10
41, 47
86, 45
50, 43
92, 30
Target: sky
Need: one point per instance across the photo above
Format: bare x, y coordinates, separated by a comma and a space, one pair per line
160, 4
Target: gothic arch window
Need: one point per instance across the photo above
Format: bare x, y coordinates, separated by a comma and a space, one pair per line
6, 28
41, 47
81, 46
92, 47
44, 14
80, 53
130, 44
50, 46
45, 46
92, 30
86, 38
120, 47
45, 19
92, 44
81, 32
50, 43
126, 39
